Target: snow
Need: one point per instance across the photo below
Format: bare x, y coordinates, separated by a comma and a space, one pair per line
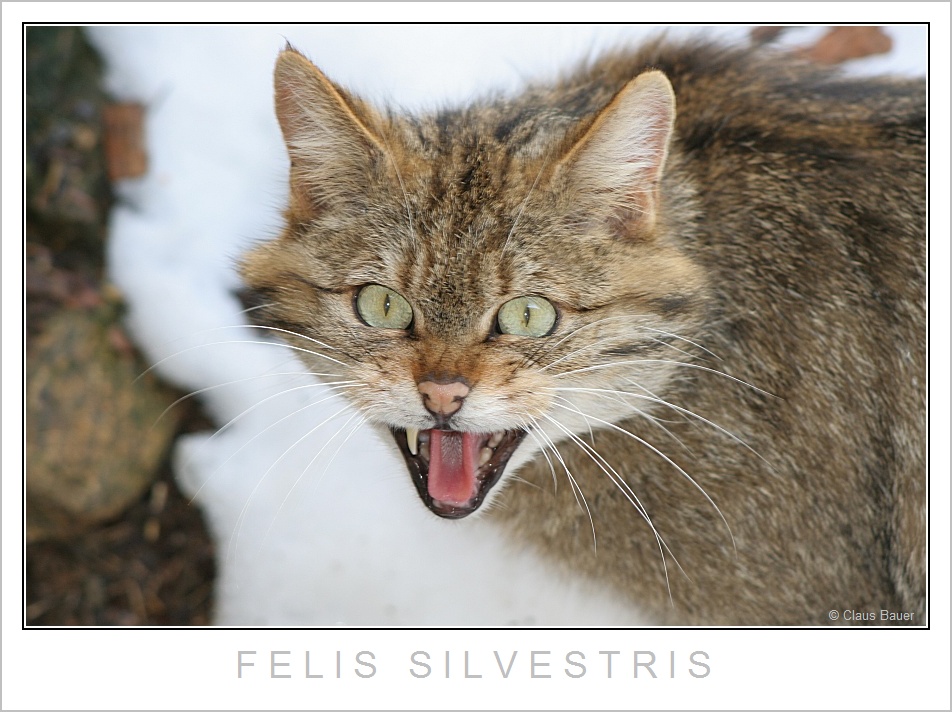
315, 520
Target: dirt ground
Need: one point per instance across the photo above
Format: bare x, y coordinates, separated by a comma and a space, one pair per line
153, 563
153, 566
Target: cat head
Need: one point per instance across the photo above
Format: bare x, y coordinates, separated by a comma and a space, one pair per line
488, 281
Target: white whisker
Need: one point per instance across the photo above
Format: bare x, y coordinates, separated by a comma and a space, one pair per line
283, 331
591, 434
681, 338
573, 483
670, 462
629, 494
263, 327
255, 308
577, 331
650, 418
679, 409
261, 432
232, 383
331, 439
239, 341
639, 327
529, 430
236, 533
615, 364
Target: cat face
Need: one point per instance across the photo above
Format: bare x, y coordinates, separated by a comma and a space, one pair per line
481, 288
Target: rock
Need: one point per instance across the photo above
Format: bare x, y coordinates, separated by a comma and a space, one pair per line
124, 140
841, 44
94, 436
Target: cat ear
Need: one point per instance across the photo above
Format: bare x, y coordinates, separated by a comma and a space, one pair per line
327, 133
616, 165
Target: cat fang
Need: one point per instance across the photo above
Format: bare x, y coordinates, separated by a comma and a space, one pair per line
454, 470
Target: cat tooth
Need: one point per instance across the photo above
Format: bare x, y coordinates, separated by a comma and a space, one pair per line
425, 451
484, 455
412, 434
495, 440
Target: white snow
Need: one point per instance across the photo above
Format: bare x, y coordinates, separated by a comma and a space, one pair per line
314, 529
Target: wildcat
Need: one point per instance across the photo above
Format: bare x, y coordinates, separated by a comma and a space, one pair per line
664, 316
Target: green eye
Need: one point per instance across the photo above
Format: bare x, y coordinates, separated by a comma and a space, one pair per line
383, 308
526, 316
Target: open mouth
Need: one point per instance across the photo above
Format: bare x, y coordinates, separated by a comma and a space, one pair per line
454, 470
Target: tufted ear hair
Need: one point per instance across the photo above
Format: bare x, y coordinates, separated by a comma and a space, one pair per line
328, 134
616, 165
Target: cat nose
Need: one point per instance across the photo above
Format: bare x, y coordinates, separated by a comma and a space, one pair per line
443, 398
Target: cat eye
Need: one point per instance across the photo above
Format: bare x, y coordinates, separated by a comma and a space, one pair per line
383, 308
526, 316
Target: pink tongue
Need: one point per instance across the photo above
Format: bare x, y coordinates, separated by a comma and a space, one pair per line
452, 476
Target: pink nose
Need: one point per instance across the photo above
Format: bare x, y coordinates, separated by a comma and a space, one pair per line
443, 398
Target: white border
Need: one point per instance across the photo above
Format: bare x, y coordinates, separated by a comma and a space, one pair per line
112, 669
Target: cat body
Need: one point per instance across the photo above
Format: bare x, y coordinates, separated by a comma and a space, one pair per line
679, 292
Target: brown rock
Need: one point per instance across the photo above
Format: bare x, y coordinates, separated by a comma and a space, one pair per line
94, 437
844, 43
124, 140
